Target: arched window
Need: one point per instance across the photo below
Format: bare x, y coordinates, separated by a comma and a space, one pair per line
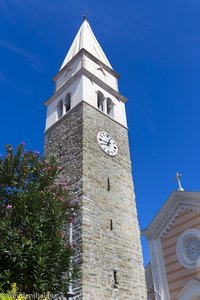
67, 102
60, 109
110, 107
100, 101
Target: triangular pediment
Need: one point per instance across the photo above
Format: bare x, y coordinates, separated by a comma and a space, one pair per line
85, 39
176, 202
191, 290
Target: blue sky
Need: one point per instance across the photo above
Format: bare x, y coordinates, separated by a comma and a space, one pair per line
154, 46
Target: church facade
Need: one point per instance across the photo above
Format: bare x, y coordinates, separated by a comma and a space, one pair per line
86, 131
174, 243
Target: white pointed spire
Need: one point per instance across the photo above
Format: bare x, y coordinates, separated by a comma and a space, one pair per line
86, 39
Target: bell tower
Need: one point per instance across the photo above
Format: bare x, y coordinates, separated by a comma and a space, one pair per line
86, 131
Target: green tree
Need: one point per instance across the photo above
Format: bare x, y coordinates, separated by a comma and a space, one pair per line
34, 216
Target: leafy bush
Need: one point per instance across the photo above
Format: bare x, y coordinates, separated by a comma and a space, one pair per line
34, 217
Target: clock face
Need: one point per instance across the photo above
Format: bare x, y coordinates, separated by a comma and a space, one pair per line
107, 143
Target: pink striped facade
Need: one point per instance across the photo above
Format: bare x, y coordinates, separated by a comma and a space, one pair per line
177, 275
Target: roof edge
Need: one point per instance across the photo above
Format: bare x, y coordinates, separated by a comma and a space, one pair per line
164, 218
94, 58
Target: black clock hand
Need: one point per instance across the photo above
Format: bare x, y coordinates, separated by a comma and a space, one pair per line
108, 143
103, 141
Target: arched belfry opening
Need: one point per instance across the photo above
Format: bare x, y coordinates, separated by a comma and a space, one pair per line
60, 109
100, 101
110, 107
67, 102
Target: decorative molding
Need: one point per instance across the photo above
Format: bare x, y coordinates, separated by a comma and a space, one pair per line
63, 87
104, 85
89, 75
177, 202
158, 270
92, 57
83, 62
190, 290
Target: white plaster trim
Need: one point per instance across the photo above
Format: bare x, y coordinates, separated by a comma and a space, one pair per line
158, 270
92, 57
165, 218
89, 75
190, 291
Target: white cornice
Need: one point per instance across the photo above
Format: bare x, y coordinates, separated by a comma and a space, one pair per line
176, 202
92, 57
91, 76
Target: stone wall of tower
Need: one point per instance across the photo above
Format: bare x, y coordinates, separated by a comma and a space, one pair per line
86, 168
106, 250
64, 141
